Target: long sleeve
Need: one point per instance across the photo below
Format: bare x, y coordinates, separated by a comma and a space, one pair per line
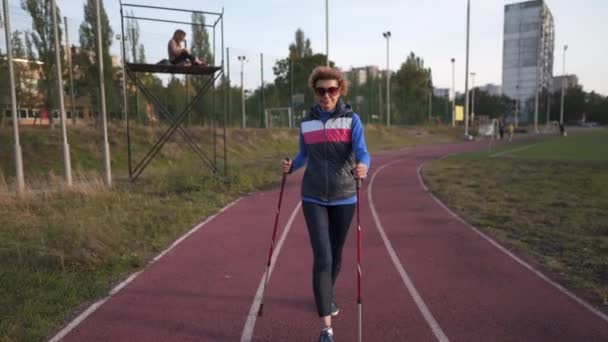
301, 158
358, 141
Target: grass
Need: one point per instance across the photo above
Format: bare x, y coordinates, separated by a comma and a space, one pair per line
61, 248
547, 201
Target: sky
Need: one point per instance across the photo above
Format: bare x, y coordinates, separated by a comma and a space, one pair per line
433, 29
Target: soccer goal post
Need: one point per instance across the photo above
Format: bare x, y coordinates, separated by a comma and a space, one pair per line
278, 117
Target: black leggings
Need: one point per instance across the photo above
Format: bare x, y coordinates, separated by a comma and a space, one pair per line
183, 57
327, 228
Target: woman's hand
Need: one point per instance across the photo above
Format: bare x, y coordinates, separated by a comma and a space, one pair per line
285, 165
360, 171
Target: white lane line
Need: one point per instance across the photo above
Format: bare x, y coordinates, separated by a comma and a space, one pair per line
428, 317
257, 299
76, 321
560, 288
513, 150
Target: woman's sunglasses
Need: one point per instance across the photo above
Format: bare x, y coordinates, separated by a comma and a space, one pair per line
332, 91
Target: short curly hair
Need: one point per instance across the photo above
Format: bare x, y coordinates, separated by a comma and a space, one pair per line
327, 73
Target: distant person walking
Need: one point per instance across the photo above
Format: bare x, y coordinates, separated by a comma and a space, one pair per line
333, 147
501, 127
511, 130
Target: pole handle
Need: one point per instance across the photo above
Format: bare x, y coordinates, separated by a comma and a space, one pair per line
286, 159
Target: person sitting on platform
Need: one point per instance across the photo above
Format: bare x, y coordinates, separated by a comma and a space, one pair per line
179, 55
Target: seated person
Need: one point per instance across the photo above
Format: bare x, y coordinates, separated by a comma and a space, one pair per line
179, 55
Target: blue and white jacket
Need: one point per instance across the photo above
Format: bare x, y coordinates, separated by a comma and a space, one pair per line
330, 143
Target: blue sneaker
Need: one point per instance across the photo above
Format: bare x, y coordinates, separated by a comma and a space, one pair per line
334, 309
327, 335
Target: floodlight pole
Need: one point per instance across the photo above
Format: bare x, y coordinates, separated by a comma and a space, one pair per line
561, 110
453, 94
466, 73
66, 147
242, 59
327, 32
387, 35
11, 72
102, 100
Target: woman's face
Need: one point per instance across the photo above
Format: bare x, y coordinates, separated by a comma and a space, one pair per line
327, 93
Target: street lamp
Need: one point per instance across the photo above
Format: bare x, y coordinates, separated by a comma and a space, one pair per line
327, 32
453, 96
387, 35
242, 59
472, 97
466, 73
561, 110
517, 106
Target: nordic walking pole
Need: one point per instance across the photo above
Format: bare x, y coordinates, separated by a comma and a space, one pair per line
274, 234
359, 247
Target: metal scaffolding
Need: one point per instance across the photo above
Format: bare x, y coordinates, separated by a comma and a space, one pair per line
210, 74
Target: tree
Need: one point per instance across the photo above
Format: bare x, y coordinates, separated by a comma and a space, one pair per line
200, 48
133, 48
297, 66
409, 91
492, 106
200, 39
43, 41
24, 70
87, 70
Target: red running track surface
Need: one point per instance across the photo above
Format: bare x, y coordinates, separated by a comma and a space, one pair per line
470, 290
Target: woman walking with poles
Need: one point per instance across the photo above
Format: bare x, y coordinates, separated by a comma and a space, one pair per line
332, 146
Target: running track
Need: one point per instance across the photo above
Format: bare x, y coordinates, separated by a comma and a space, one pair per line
427, 276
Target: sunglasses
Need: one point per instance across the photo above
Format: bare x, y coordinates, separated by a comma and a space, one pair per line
332, 91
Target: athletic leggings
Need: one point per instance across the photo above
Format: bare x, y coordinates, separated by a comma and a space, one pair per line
327, 228
183, 57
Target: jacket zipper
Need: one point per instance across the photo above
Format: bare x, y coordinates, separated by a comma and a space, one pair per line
326, 162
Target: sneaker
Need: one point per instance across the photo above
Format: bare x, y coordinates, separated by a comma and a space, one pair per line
327, 335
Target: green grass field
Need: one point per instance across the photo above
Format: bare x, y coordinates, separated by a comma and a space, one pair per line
545, 199
581, 146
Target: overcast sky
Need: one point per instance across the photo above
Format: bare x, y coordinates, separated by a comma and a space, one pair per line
433, 29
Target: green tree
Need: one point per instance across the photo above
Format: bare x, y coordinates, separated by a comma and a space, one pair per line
25, 91
43, 41
87, 69
133, 48
200, 47
297, 66
409, 91
492, 106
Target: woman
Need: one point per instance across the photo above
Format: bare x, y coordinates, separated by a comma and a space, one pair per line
331, 140
177, 54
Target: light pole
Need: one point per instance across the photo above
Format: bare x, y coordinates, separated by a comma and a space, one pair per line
327, 32
453, 96
67, 164
11, 71
466, 78
561, 110
430, 100
242, 59
517, 106
387, 35
472, 97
